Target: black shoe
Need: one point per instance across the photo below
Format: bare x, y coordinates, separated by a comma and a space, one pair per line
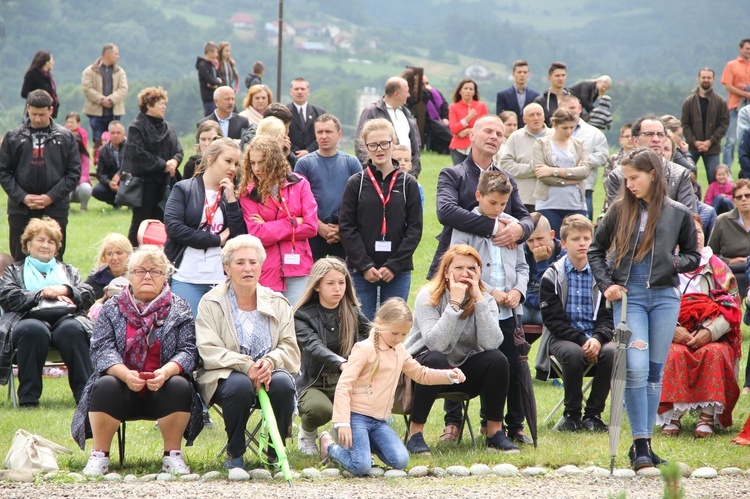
519, 437
594, 423
569, 422
642, 462
417, 445
500, 442
655, 459
207, 422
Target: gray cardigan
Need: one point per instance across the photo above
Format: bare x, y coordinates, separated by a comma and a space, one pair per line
441, 329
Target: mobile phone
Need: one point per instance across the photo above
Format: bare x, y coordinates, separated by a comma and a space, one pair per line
146, 375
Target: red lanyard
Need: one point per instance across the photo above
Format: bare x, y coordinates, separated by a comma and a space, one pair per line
211, 210
292, 220
384, 200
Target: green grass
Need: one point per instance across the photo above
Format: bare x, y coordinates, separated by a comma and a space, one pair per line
52, 419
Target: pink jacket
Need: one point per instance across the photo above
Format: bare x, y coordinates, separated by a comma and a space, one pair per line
715, 188
276, 232
85, 170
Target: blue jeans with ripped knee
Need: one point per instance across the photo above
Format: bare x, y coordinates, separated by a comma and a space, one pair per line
652, 316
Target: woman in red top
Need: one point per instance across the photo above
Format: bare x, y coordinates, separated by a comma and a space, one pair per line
462, 114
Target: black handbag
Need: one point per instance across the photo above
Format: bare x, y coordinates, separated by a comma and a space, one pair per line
51, 310
129, 191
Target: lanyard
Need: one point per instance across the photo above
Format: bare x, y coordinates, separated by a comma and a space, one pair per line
292, 220
211, 210
384, 200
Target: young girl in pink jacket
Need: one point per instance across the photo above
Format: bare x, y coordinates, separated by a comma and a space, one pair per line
280, 210
365, 392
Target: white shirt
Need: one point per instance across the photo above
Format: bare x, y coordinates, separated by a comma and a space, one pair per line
223, 124
401, 124
204, 266
302, 110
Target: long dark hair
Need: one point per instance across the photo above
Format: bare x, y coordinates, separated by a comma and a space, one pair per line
81, 148
40, 59
625, 210
457, 91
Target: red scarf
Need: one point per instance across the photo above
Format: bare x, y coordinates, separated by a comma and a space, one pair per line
145, 318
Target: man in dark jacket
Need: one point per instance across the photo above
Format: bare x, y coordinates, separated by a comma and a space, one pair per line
39, 168
304, 114
392, 106
517, 96
705, 120
108, 166
231, 123
589, 91
557, 75
207, 77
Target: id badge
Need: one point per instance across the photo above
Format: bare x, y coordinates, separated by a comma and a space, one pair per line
383, 246
291, 259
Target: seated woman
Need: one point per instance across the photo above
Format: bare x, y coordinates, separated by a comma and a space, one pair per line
23, 287
328, 322
700, 370
245, 336
455, 325
143, 349
114, 251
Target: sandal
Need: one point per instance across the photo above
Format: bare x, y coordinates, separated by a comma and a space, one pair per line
672, 428
704, 427
450, 433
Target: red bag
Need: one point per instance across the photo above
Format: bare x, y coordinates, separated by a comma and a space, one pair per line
152, 231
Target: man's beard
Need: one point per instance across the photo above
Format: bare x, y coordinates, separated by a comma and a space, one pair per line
706, 86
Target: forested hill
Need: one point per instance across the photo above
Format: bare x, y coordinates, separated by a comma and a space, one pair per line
651, 49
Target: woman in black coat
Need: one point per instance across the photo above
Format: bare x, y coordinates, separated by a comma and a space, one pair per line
38, 77
153, 152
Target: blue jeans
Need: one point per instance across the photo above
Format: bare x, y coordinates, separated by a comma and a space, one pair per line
370, 435
731, 138
589, 205
710, 161
294, 288
99, 125
555, 217
367, 292
191, 293
651, 316
722, 204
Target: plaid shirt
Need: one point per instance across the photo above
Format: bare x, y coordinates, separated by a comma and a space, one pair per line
580, 307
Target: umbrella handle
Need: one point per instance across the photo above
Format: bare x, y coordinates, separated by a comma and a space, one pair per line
624, 309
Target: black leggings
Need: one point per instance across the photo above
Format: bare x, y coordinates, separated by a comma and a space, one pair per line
486, 375
113, 397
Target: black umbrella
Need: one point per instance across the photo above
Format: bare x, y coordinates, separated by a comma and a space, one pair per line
527, 388
617, 389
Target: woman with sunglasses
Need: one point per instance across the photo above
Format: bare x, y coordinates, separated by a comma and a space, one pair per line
380, 222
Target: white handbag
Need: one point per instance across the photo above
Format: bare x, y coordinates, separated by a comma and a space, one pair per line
31, 452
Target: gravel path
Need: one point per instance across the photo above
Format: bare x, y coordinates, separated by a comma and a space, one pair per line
477, 487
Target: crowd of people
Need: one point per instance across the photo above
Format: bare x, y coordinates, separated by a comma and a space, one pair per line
288, 262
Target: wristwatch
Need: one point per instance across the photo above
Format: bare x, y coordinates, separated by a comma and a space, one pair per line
555, 172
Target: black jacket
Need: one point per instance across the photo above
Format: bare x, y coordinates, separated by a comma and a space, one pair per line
548, 101
507, 101
98, 280
237, 124
63, 166
456, 197
302, 136
679, 185
319, 343
151, 143
587, 93
361, 216
674, 228
182, 218
107, 166
207, 78
37, 79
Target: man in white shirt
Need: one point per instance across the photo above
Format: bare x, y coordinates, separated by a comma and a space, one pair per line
230, 122
304, 114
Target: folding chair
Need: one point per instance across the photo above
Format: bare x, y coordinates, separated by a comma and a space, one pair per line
53, 360
556, 369
251, 438
532, 332
465, 400
121, 437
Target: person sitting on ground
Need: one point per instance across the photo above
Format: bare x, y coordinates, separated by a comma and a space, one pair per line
207, 132
143, 349
359, 416
455, 325
578, 328
82, 192
73, 123
41, 278
699, 374
246, 340
506, 275
114, 251
541, 250
719, 192
328, 322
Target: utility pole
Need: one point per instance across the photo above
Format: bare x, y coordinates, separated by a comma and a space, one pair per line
279, 48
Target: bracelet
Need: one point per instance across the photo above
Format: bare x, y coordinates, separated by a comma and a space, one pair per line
456, 305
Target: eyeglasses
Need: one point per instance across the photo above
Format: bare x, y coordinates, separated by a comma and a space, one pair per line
661, 135
741, 196
154, 273
373, 146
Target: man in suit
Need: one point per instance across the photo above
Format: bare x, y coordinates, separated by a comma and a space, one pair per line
517, 96
304, 114
230, 122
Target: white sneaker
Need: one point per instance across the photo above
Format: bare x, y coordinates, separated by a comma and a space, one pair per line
306, 442
97, 465
174, 463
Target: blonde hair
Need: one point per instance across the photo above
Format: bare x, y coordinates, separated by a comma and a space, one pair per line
215, 149
112, 240
392, 311
241, 242
376, 124
271, 126
347, 309
153, 254
36, 226
276, 167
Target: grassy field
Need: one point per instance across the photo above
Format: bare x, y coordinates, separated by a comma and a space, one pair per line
52, 419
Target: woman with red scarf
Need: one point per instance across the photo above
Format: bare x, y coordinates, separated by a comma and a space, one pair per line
699, 374
143, 351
